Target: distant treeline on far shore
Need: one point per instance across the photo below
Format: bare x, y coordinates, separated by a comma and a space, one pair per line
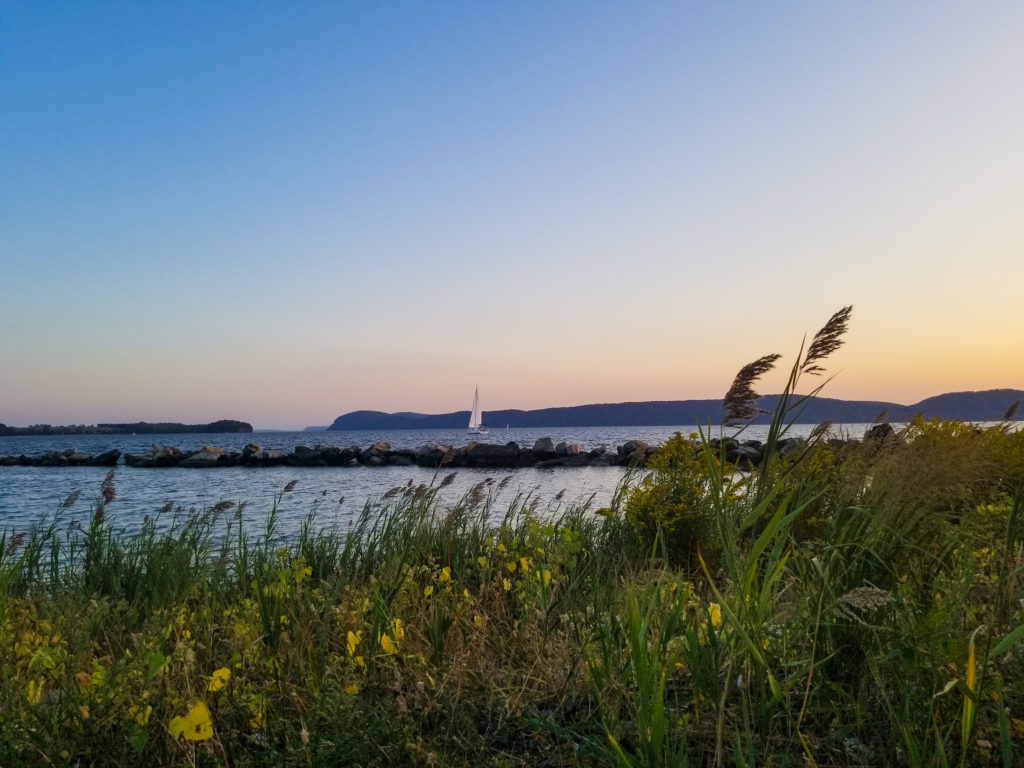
138, 428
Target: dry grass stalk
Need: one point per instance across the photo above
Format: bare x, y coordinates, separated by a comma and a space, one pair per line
826, 341
858, 602
107, 487
739, 400
821, 430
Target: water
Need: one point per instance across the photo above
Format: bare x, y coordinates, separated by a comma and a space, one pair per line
335, 494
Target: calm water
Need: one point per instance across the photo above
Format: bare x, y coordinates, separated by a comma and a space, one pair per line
335, 494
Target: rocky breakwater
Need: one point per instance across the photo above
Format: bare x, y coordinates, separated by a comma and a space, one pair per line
68, 458
544, 453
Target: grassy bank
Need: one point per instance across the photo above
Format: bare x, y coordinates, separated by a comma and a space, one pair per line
846, 604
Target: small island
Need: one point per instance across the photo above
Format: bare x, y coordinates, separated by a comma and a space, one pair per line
136, 428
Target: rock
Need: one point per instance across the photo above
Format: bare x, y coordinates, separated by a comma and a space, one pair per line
402, 458
250, 449
544, 449
431, 454
601, 450
107, 459
157, 457
488, 455
271, 458
633, 452
789, 445
879, 433
380, 450
202, 459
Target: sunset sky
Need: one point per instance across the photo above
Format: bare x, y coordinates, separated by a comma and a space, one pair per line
281, 212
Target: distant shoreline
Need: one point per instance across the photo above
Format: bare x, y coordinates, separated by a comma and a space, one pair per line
136, 428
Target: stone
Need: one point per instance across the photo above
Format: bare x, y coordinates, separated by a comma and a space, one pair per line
488, 455
106, 459
202, 459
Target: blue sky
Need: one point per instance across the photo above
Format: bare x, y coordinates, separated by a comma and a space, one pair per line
280, 212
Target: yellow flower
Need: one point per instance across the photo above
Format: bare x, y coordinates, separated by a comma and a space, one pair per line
195, 726
353, 641
511, 567
428, 591
352, 689
547, 577
524, 563
219, 679
386, 644
84, 711
478, 619
397, 629
506, 584
360, 663
501, 547
482, 561
446, 574
715, 612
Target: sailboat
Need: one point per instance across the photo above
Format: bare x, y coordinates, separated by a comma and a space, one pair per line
476, 423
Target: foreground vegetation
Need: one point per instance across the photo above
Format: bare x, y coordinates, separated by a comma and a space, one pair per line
846, 604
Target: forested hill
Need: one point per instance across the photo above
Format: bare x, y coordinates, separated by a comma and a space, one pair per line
990, 405
136, 428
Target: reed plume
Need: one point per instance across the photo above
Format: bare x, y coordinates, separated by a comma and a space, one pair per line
1011, 411
291, 486
107, 487
826, 341
739, 400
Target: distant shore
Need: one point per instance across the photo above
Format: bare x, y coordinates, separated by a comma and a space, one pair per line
136, 428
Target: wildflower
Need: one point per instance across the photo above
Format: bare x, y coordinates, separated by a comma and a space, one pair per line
83, 710
482, 561
478, 619
397, 629
501, 547
511, 566
546, 576
715, 614
352, 689
524, 563
446, 574
219, 679
386, 644
506, 584
195, 726
360, 663
428, 591
353, 640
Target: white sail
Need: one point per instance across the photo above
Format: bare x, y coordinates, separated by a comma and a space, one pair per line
475, 416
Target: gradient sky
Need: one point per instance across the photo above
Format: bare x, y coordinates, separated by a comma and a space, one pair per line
281, 212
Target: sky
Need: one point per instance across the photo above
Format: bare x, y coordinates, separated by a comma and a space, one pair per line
280, 212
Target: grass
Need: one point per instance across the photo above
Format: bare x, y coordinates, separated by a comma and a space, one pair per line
849, 604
